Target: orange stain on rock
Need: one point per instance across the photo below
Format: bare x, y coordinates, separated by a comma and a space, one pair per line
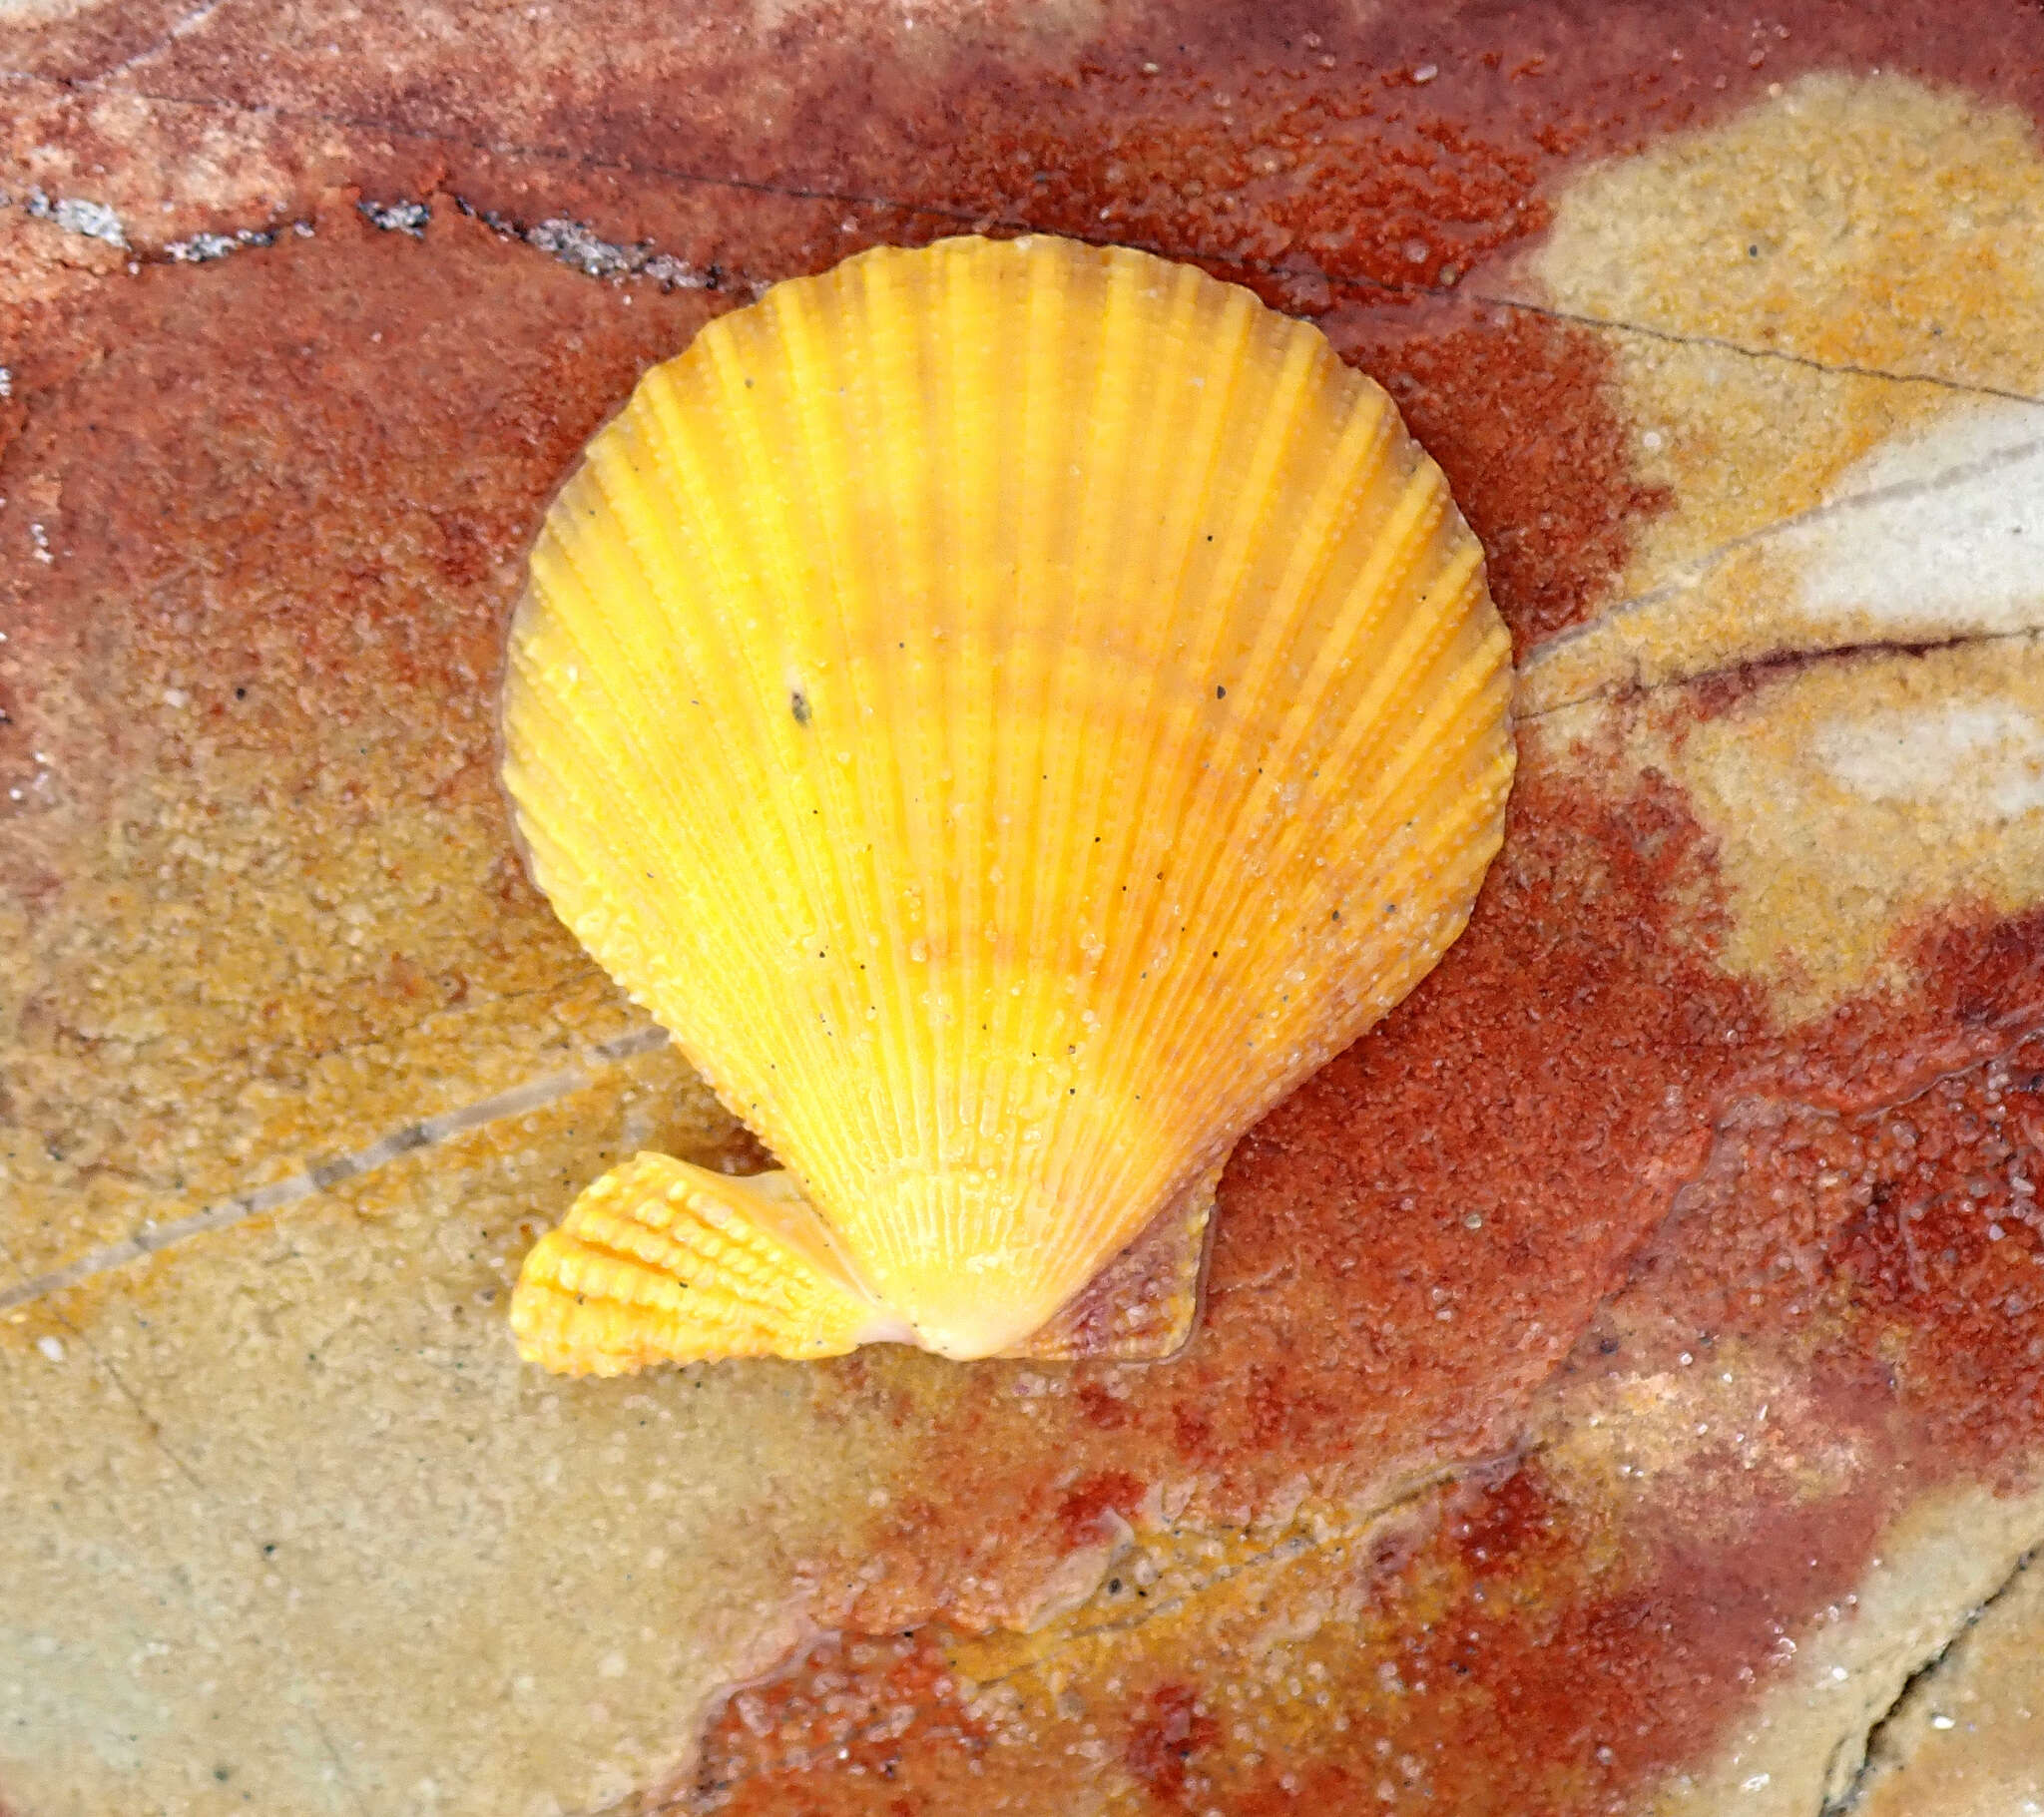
852, 1710
1518, 410
1408, 1251
1896, 1251
1084, 1506
1508, 1148
1490, 1152
1164, 1741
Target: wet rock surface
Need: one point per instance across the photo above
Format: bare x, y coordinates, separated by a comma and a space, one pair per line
1619, 1381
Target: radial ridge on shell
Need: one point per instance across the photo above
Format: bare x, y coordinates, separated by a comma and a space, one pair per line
1012, 711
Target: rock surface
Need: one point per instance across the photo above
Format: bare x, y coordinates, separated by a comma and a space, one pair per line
1621, 1387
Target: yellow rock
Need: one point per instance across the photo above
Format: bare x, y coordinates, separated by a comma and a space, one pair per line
1012, 710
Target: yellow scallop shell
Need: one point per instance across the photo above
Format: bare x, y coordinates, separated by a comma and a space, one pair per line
1012, 710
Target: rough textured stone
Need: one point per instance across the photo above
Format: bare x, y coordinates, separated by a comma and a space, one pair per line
1621, 1387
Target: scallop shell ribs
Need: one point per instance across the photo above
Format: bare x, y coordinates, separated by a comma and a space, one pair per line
1012, 710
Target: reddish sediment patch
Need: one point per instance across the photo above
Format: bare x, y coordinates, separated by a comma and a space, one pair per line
1479, 1196
852, 1710
1602, 1159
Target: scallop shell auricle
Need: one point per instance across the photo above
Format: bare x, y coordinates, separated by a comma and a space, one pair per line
1011, 709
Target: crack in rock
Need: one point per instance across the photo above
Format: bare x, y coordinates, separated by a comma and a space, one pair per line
75, 214
184, 26
324, 1176
1916, 1689
397, 217
1310, 1542
1680, 337
1697, 569
203, 248
1306, 1541
574, 243
979, 220
98, 221
1631, 688
571, 242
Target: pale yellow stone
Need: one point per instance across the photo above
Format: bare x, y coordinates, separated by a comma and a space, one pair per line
1969, 1739
1835, 286
1799, 1747
149, 1655
518, 1589
1848, 804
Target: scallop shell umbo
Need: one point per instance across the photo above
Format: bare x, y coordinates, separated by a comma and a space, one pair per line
1012, 710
